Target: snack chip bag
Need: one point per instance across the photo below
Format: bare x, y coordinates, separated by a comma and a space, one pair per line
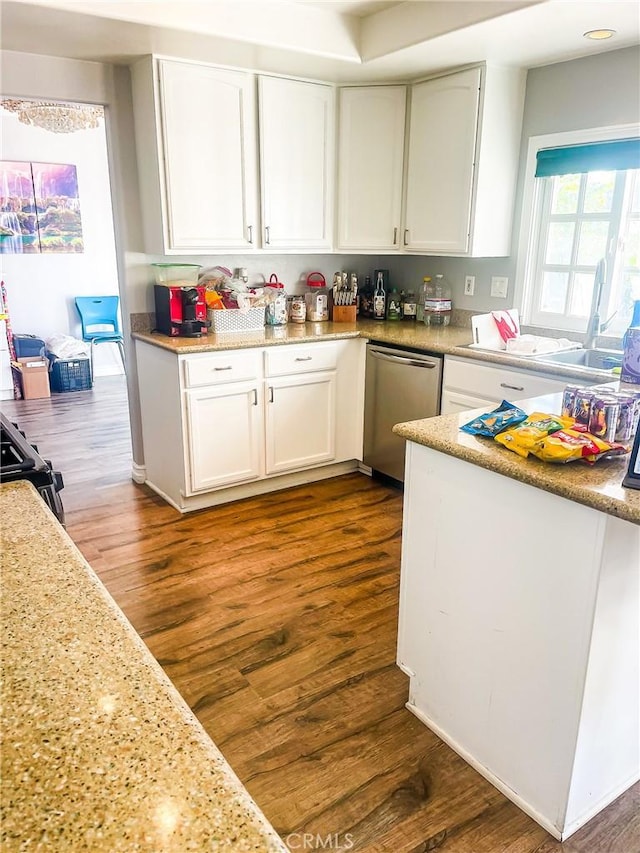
522, 439
569, 444
491, 423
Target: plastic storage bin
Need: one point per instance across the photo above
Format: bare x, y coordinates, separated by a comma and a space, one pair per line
70, 374
176, 275
28, 345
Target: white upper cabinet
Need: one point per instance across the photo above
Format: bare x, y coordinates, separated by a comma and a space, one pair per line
464, 138
197, 157
296, 158
370, 163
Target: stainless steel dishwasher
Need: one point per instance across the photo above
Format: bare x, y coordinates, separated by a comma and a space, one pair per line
399, 386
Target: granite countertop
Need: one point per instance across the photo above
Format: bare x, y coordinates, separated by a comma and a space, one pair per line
446, 340
598, 486
100, 751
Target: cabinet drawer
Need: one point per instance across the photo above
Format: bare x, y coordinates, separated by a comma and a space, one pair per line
215, 368
495, 383
285, 360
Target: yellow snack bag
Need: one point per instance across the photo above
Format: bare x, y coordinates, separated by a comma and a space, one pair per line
523, 439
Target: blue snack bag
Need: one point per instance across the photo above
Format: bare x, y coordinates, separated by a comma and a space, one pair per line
491, 423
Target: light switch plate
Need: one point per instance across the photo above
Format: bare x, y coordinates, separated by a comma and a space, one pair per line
469, 285
499, 286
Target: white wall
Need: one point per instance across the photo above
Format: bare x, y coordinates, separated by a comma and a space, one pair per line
42, 287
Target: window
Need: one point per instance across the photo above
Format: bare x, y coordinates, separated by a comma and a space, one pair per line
582, 205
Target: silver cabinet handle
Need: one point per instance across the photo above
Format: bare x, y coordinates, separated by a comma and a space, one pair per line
267, 234
306, 358
395, 236
250, 230
255, 397
228, 367
406, 236
271, 393
511, 387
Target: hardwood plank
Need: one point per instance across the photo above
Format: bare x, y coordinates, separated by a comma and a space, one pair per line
276, 618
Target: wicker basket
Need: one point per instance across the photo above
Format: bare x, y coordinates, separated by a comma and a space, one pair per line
236, 320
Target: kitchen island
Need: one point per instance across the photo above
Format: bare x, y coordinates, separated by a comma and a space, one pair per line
100, 751
520, 617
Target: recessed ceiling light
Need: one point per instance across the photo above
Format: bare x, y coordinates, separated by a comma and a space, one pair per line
598, 35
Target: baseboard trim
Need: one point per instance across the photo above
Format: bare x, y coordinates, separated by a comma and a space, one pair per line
138, 473
488, 775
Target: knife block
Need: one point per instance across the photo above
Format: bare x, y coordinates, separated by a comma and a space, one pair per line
344, 314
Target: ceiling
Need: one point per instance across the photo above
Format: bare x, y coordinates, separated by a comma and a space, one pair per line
339, 40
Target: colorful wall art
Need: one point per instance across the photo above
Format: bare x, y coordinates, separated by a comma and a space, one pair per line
39, 208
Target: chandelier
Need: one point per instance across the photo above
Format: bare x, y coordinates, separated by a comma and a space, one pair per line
55, 117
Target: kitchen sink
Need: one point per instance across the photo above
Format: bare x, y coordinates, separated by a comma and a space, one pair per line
596, 359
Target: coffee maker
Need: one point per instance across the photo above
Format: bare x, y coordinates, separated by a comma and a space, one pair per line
181, 310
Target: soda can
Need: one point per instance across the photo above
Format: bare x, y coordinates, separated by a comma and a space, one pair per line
582, 405
624, 428
569, 400
603, 417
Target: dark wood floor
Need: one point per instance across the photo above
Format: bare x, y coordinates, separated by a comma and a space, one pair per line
276, 619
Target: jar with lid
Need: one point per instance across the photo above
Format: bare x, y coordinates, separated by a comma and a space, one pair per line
276, 302
437, 302
316, 298
297, 309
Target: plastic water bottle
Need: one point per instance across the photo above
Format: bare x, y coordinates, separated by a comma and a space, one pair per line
437, 303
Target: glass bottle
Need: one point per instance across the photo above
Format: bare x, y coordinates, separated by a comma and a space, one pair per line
379, 299
437, 304
409, 306
394, 305
366, 298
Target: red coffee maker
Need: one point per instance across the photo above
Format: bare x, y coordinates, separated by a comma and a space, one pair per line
181, 311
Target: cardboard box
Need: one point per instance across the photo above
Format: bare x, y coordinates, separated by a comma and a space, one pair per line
34, 377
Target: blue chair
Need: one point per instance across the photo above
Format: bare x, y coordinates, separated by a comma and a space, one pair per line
100, 322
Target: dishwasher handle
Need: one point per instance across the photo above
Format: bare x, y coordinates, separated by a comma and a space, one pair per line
400, 359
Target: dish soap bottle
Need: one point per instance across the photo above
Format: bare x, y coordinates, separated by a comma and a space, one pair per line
437, 303
379, 299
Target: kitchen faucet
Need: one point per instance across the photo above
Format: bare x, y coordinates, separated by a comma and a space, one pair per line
595, 326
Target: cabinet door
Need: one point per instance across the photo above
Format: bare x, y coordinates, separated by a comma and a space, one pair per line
300, 421
224, 430
210, 159
370, 159
296, 158
440, 173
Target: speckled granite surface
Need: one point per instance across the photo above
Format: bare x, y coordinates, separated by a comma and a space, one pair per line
100, 752
598, 487
448, 340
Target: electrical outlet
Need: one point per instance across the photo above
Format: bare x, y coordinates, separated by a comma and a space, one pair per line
469, 285
499, 286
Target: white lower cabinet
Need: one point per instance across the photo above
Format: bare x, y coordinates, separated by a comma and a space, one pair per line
300, 426
224, 425
469, 384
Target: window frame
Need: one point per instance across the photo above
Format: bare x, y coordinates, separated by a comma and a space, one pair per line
528, 243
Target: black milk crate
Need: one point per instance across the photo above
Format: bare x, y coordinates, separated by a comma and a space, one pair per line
70, 374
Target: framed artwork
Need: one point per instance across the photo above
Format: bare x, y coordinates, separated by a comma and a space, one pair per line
39, 208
